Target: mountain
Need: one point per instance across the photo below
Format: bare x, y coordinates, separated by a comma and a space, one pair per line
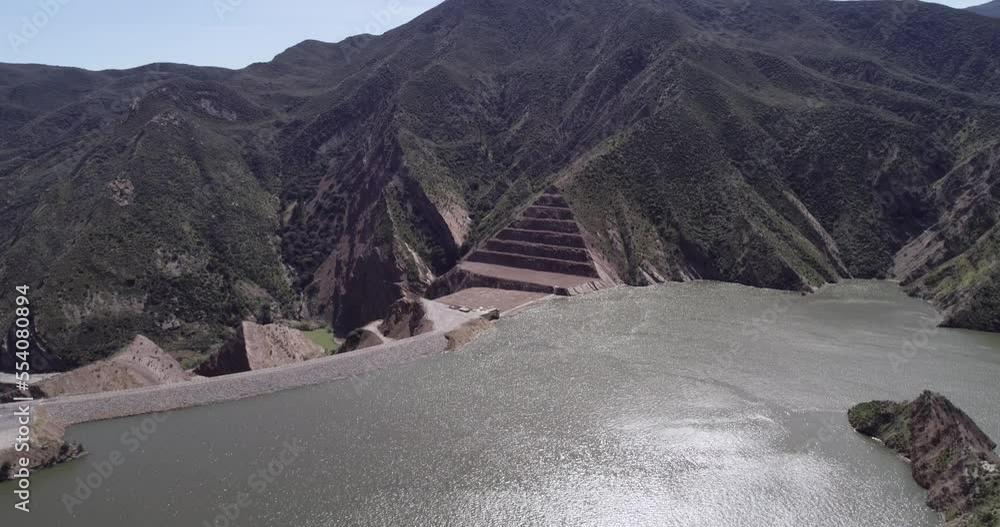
782, 144
949, 455
987, 9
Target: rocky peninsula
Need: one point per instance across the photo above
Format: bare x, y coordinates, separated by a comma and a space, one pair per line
950, 455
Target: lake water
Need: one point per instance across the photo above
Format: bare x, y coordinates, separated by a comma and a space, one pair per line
698, 404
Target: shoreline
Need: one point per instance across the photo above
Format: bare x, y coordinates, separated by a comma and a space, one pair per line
78, 409
205, 391
65, 412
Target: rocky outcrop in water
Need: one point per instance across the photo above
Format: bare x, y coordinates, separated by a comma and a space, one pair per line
951, 457
257, 347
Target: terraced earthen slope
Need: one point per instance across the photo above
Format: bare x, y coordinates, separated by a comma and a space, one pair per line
542, 251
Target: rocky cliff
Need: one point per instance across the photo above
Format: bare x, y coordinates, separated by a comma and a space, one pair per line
951, 457
257, 347
407, 318
780, 144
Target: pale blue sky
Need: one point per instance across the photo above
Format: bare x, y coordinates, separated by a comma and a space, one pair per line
102, 34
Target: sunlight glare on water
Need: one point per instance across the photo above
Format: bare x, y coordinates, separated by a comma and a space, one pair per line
699, 404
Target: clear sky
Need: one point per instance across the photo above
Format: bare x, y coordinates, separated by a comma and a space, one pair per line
102, 34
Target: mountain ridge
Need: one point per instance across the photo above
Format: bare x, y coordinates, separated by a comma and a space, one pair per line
991, 9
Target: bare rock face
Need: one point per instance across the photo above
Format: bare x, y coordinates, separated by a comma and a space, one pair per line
951, 457
42, 360
257, 347
407, 318
141, 363
152, 362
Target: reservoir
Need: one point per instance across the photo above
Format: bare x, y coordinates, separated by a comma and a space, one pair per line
696, 404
